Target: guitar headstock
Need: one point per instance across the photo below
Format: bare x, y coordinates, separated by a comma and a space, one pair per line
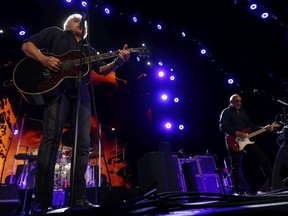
142, 51
276, 124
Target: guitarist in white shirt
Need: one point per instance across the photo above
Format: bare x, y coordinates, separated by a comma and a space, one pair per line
236, 125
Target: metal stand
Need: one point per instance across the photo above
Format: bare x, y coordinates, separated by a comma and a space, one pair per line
25, 178
280, 168
74, 150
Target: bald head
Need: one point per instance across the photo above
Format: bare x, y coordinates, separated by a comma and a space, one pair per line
235, 101
233, 97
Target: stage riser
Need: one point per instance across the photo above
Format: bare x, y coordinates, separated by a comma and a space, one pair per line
9, 199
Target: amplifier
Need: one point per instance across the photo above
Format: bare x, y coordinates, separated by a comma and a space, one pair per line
209, 183
161, 171
200, 176
200, 164
60, 198
206, 164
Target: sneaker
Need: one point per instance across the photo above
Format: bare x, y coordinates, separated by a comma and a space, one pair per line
38, 210
84, 203
261, 192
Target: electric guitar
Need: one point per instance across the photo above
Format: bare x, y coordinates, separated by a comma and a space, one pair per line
237, 144
37, 84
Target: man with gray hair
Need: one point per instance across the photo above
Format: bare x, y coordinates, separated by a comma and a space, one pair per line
61, 107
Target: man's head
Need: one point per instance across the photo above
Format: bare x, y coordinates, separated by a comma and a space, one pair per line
235, 101
72, 23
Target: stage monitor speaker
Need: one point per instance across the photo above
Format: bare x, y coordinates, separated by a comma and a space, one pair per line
159, 170
9, 199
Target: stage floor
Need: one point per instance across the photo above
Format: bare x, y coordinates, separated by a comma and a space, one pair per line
190, 203
122, 202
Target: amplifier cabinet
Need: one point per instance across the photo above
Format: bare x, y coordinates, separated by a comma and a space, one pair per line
199, 174
60, 198
209, 183
205, 164
200, 164
158, 170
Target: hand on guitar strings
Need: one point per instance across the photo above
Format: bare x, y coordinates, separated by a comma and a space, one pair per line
52, 63
241, 134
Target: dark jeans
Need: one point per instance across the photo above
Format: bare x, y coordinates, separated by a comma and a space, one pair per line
56, 115
253, 151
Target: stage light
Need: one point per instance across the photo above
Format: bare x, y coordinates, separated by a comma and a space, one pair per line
164, 97
183, 34
253, 6
134, 19
107, 10
161, 74
230, 81
84, 3
264, 15
16, 131
203, 51
168, 125
22, 32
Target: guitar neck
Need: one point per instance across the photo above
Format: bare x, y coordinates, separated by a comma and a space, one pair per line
255, 133
103, 56
98, 57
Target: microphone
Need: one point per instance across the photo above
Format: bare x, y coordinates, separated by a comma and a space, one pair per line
273, 97
279, 100
261, 92
83, 19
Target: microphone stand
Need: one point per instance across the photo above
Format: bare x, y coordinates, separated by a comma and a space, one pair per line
79, 80
281, 101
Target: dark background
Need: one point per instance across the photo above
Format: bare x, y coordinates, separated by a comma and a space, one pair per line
240, 44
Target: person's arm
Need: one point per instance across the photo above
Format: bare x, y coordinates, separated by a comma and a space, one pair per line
123, 56
32, 51
224, 122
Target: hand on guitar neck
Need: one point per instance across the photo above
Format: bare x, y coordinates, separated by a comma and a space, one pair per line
271, 127
244, 134
242, 138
